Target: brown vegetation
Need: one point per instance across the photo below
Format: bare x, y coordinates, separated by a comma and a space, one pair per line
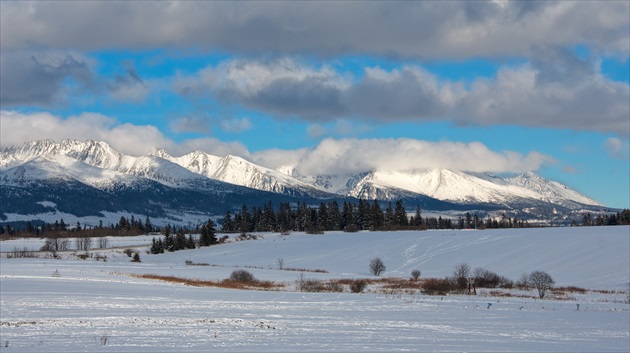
229, 284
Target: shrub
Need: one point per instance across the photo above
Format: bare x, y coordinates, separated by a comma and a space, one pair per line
415, 274
136, 257
436, 286
489, 279
358, 286
128, 252
242, 276
335, 287
311, 285
377, 266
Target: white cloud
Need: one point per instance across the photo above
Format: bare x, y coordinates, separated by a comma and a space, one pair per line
331, 156
18, 128
357, 155
616, 148
556, 92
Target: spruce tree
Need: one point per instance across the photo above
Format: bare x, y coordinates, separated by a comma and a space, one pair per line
169, 242
208, 234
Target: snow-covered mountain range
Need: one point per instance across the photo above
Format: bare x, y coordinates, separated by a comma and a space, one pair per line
96, 165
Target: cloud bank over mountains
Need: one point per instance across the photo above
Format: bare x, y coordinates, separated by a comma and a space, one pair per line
330, 156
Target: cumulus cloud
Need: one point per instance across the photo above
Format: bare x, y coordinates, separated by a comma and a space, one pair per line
37, 77
452, 29
333, 156
282, 86
18, 128
555, 90
290, 88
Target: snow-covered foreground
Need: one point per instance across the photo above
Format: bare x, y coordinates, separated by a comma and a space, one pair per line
96, 306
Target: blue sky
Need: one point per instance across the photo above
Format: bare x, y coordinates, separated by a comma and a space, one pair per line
515, 86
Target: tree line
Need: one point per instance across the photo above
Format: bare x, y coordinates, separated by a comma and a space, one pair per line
366, 215
329, 216
610, 219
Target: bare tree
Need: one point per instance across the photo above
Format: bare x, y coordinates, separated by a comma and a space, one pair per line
280, 263
84, 243
542, 281
55, 244
377, 266
103, 242
415, 274
460, 276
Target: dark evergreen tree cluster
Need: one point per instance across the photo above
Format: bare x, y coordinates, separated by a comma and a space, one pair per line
175, 240
610, 219
328, 216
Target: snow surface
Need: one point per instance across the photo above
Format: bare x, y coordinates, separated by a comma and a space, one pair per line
96, 306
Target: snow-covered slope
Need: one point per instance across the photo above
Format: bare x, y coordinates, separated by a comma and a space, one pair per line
448, 185
63, 168
238, 171
551, 191
96, 306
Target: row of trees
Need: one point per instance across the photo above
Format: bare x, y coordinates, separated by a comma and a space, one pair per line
125, 226
349, 217
610, 219
328, 216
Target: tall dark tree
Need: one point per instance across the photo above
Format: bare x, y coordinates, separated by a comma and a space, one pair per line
378, 219
180, 240
169, 242
228, 223
208, 234
400, 214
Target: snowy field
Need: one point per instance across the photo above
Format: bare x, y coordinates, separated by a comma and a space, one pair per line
96, 306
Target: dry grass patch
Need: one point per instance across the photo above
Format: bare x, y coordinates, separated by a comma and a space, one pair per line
568, 289
228, 284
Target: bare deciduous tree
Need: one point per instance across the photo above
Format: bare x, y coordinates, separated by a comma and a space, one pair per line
280, 263
84, 243
377, 266
460, 276
55, 244
415, 274
103, 242
542, 281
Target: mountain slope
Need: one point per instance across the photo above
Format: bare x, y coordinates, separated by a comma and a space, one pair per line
238, 171
192, 181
